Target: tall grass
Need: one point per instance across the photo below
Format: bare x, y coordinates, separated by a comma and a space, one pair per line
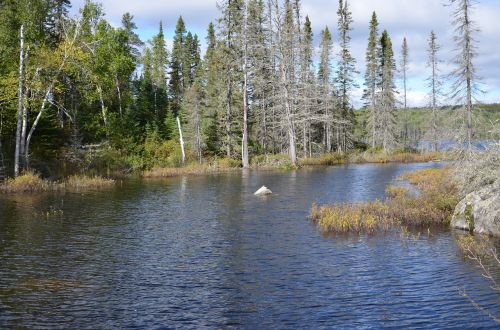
31, 182
86, 182
395, 157
328, 159
433, 205
216, 166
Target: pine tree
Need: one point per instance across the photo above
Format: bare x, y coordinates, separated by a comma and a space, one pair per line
386, 98
159, 65
177, 71
325, 80
210, 127
230, 26
307, 86
434, 85
345, 78
404, 71
371, 79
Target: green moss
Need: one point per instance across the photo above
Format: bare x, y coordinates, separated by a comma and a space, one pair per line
469, 217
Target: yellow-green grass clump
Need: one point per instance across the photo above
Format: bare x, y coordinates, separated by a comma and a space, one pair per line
433, 205
218, 166
328, 159
395, 157
88, 182
26, 182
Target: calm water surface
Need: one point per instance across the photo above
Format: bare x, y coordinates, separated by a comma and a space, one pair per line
203, 252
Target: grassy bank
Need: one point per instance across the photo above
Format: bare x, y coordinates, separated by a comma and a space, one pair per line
433, 205
30, 182
221, 165
373, 156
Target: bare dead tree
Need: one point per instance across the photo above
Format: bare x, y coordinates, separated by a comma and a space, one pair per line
465, 88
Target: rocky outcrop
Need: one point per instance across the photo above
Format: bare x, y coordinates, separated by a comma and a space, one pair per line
263, 191
479, 211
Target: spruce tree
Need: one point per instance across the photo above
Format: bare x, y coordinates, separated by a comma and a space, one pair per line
210, 127
371, 79
177, 67
404, 64
325, 80
386, 101
345, 79
159, 65
434, 84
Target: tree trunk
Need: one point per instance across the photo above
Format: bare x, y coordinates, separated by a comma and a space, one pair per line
35, 123
104, 112
244, 143
119, 96
20, 104
181, 140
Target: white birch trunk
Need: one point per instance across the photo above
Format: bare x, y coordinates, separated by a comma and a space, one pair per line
20, 104
181, 140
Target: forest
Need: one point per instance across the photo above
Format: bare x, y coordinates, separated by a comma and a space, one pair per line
78, 94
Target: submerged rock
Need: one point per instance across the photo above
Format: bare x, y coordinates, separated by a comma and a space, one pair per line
479, 211
263, 191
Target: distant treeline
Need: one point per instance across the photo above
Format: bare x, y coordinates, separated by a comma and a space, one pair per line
79, 92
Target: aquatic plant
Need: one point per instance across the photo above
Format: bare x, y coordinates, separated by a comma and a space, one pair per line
26, 182
86, 182
328, 159
433, 205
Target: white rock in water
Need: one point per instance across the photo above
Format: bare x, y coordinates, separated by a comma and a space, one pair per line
263, 191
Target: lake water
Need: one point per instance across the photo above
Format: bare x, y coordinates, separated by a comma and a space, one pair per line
203, 252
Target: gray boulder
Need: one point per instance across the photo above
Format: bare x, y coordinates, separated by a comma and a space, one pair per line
479, 211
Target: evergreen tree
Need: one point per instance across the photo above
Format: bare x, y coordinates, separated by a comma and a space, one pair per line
213, 89
404, 71
307, 86
325, 81
372, 78
386, 101
159, 66
434, 84
178, 72
345, 79
230, 26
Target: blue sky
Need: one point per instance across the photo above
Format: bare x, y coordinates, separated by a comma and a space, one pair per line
402, 18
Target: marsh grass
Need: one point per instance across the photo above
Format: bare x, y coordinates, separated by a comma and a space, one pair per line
433, 205
28, 182
328, 159
86, 182
395, 157
217, 166
31, 182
